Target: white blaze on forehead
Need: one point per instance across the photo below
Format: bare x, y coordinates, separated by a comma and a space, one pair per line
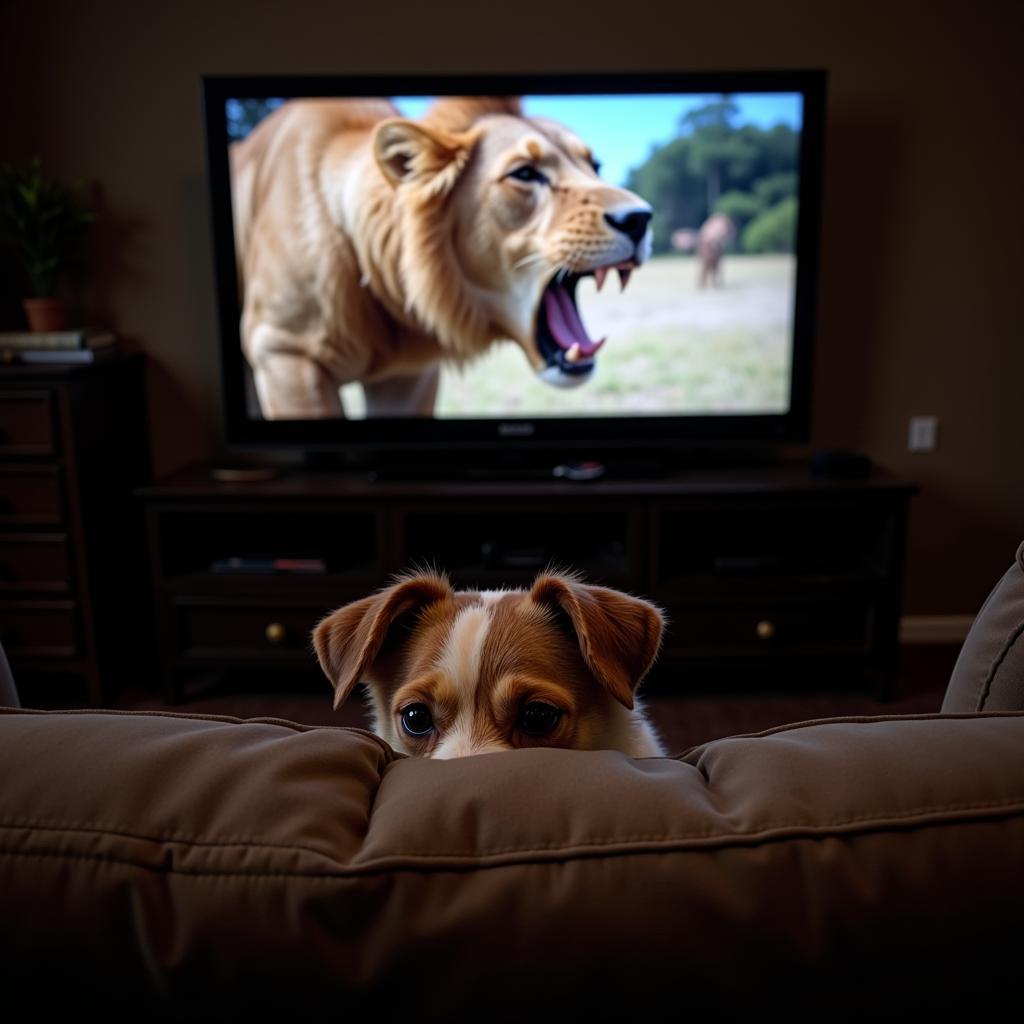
460, 659
460, 662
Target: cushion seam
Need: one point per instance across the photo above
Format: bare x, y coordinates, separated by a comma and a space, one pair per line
858, 820
438, 862
297, 727
775, 730
91, 828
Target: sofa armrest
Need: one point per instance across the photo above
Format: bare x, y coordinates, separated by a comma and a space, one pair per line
160, 863
989, 673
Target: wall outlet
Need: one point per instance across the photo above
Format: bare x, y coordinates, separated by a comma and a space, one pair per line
924, 434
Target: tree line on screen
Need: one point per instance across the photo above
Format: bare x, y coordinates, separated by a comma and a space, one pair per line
716, 166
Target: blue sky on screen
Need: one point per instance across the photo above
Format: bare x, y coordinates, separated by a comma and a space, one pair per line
622, 130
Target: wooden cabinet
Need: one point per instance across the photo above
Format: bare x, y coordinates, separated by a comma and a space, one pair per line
74, 595
765, 570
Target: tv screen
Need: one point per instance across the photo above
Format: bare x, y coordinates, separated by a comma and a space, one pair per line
577, 260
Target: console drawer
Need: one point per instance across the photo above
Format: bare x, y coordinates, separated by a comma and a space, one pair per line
40, 629
34, 562
770, 632
30, 496
27, 423
209, 630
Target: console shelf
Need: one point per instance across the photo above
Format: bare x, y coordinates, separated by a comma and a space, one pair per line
767, 570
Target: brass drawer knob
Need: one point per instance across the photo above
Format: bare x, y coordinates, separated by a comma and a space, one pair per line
765, 630
275, 633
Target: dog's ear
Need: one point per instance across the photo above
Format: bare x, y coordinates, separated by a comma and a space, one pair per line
429, 157
349, 640
619, 635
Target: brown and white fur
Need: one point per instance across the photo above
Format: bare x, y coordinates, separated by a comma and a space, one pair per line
477, 660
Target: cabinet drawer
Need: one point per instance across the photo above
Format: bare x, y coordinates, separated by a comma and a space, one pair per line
208, 630
30, 496
26, 423
34, 562
40, 629
742, 632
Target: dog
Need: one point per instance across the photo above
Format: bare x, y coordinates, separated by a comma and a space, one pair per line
452, 673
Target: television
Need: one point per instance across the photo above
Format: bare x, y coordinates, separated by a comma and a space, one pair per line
575, 265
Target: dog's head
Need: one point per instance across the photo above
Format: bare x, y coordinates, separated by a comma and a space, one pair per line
454, 673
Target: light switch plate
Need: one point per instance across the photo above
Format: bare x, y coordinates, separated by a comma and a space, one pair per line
924, 434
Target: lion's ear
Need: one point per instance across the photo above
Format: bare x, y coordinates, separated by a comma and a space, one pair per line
408, 153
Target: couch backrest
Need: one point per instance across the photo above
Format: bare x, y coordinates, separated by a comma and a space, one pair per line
989, 674
208, 865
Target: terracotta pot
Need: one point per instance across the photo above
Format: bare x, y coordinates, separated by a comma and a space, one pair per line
45, 314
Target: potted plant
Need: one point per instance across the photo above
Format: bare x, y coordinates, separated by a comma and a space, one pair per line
44, 222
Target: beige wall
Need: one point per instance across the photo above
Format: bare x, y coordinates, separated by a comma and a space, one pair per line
920, 305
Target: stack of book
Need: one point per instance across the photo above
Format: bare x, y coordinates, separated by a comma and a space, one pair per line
81, 345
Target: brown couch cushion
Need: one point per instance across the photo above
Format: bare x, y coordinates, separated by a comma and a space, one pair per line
989, 674
155, 861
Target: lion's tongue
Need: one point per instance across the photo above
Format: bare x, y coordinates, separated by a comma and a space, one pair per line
566, 326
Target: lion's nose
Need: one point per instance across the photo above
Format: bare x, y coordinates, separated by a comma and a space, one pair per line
632, 223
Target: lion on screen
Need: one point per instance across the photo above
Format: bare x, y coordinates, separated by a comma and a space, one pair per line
372, 248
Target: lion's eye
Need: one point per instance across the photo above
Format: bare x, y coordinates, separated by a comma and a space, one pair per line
528, 173
538, 719
596, 164
417, 720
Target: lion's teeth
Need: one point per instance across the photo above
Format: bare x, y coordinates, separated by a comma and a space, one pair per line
573, 355
599, 276
624, 275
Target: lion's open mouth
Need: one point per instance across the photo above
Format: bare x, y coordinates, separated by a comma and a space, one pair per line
565, 346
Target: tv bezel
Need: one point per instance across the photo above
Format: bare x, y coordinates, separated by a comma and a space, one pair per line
565, 433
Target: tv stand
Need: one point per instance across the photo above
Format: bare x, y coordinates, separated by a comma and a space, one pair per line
767, 570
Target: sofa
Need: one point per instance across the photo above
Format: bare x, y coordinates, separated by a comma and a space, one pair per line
170, 866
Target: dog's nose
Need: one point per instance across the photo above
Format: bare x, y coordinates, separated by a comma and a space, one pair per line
632, 223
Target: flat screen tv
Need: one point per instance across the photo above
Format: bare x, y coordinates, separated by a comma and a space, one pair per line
575, 262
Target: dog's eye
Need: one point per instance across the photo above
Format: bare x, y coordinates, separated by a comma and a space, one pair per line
528, 173
417, 720
538, 718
